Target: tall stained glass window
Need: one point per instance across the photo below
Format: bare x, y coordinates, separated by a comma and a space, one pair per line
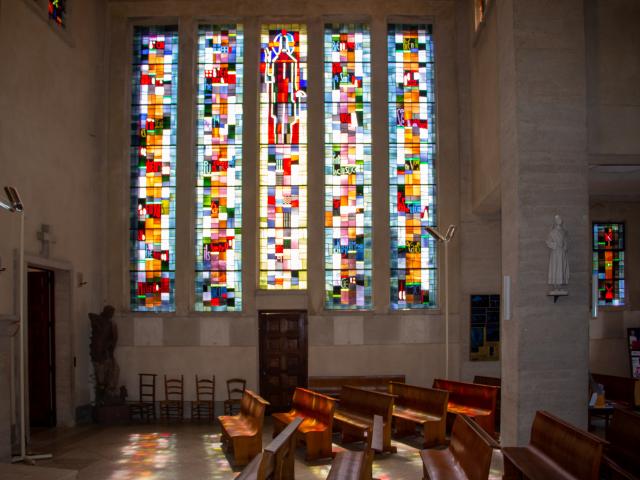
219, 169
608, 262
412, 153
57, 11
283, 157
347, 87
153, 167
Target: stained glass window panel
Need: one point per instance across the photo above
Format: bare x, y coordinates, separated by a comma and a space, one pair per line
219, 169
58, 11
283, 157
412, 154
608, 262
153, 167
347, 88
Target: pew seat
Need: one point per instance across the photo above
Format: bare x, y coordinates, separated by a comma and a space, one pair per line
556, 450
316, 411
355, 411
468, 456
470, 399
242, 433
354, 465
425, 407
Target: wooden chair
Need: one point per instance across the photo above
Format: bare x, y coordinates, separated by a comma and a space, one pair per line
145, 407
172, 407
203, 406
235, 390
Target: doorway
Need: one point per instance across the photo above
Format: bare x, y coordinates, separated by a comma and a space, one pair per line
41, 348
283, 355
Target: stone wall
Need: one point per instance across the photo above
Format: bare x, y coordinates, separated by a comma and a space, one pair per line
51, 150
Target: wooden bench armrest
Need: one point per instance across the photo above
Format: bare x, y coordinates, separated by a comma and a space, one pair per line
283, 436
485, 435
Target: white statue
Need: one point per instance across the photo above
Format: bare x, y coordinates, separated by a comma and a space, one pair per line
558, 260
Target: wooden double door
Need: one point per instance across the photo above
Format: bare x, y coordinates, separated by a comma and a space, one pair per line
283, 355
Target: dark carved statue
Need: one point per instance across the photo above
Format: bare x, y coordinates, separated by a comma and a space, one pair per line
104, 337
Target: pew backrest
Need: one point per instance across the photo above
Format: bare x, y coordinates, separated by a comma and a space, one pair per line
469, 394
471, 448
576, 451
366, 401
429, 400
314, 405
624, 390
623, 435
252, 408
332, 385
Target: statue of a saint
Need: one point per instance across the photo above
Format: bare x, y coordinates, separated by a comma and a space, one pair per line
104, 337
558, 260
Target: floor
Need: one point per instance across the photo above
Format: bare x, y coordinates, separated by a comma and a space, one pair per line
189, 451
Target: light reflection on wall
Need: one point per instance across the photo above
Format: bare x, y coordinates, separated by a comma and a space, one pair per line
146, 456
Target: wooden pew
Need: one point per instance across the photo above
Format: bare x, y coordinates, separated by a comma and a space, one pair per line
622, 456
476, 401
425, 407
467, 457
495, 382
355, 411
556, 450
316, 410
624, 391
352, 465
242, 433
332, 386
277, 460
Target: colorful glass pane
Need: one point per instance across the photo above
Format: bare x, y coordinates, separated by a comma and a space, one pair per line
153, 167
412, 154
57, 11
608, 262
283, 157
219, 169
347, 87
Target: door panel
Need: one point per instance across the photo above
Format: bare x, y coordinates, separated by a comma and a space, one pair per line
283, 356
41, 335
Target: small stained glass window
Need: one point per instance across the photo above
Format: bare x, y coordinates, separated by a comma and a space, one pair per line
608, 262
58, 11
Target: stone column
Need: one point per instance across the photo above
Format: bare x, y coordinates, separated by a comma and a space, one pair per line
541, 63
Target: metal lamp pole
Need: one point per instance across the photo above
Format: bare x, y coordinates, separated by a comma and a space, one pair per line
445, 239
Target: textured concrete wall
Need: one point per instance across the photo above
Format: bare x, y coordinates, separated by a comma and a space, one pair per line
339, 342
479, 232
544, 172
485, 116
50, 150
613, 43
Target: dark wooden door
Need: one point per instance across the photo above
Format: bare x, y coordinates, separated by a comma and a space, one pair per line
42, 354
283, 356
